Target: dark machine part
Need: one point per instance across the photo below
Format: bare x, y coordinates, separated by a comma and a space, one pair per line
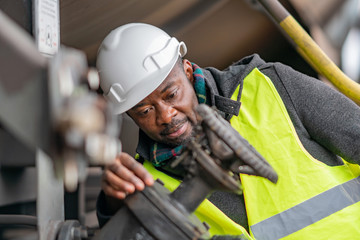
248, 160
212, 161
153, 214
53, 125
85, 131
47, 103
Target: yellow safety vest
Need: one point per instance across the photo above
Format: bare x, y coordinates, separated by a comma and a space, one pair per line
311, 200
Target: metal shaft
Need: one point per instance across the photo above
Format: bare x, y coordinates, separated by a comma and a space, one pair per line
310, 51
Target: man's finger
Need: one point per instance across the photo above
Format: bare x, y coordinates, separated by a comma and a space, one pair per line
137, 168
109, 191
122, 171
118, 183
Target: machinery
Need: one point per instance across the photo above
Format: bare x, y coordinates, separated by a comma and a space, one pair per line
212, 160
52, 127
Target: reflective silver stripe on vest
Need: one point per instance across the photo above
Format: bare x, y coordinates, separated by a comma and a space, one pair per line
242, 236
308, 212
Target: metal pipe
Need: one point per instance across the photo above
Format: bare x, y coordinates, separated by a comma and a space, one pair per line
310, 51
11, 219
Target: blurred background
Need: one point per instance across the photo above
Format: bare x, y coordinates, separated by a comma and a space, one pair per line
216, 32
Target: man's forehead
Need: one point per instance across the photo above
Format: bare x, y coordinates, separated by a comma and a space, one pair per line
164, 86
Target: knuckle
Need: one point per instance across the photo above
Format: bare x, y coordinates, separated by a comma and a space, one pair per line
116, 168
105, 175
135, 179
134, 165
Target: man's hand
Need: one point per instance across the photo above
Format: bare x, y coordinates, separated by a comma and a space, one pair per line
124, 176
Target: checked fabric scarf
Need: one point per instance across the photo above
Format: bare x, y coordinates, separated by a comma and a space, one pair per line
161, 153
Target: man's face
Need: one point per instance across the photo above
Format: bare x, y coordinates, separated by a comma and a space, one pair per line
167, 115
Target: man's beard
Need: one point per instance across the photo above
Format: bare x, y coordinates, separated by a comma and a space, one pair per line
182, 140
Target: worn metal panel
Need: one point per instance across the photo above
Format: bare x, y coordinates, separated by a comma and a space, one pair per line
17, 185
50, 197
24, 109
13, 153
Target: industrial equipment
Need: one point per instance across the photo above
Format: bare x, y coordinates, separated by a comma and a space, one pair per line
212, 161
52, 127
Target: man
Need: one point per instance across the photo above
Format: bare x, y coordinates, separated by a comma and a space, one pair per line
302, 127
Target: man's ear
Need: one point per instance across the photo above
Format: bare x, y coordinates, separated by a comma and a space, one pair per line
188, 70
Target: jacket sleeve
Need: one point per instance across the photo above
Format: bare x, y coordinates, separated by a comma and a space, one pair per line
321, 114
102, 214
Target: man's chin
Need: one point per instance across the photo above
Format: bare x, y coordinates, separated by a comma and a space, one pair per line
181, 140
177, 142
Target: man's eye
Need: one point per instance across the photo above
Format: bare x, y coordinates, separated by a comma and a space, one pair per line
146, 111
143, 112
172, 95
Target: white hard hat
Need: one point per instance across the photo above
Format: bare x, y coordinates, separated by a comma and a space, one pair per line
133, 60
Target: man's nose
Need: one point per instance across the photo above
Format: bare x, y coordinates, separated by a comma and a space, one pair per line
165, 114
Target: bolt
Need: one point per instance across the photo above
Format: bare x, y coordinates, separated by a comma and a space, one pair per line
206, 225
93, 78
158, 180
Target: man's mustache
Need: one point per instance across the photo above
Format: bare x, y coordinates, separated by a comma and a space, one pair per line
173, 124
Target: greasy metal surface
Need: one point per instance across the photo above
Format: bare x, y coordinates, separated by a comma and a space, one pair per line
153, 214
123, 225
67, 230
246, 154
162, 216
